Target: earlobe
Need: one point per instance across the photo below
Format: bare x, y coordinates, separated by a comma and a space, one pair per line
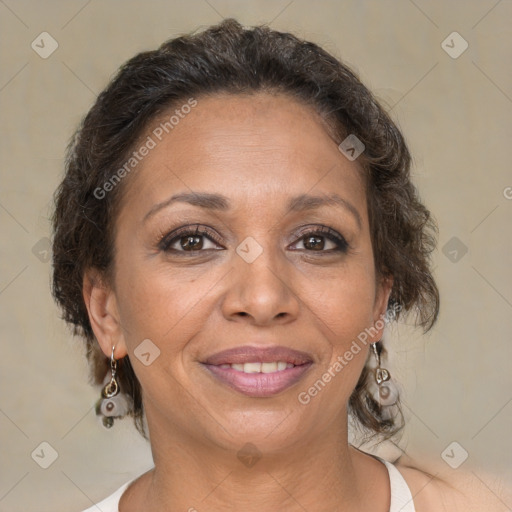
101, 304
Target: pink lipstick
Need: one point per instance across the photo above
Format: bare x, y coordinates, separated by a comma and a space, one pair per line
259, 372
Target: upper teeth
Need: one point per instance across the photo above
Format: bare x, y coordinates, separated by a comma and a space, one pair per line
259, 367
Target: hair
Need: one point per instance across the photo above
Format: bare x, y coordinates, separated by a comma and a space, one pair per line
228, 58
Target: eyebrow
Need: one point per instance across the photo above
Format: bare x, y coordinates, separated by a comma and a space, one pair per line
218, 202
201, 199
307, 202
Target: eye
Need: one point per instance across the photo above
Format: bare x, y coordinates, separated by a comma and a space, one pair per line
322, 239
190, 239
187, 239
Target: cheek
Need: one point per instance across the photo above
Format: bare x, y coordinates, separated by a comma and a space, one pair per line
162, 303
344, 302
345, 310
346, 315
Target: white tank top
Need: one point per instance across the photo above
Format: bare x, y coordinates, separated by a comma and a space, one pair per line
401, 498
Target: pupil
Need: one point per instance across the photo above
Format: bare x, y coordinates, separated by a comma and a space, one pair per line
192, 242
314, 242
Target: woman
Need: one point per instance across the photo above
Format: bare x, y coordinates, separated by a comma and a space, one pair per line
235, 228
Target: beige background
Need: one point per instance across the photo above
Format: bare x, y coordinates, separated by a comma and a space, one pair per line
456, 116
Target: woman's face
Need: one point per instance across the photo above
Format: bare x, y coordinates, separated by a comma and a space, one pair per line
286, 261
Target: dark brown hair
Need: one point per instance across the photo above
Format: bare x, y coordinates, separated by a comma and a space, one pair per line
232, 59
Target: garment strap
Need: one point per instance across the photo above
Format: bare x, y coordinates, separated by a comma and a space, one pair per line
401, 497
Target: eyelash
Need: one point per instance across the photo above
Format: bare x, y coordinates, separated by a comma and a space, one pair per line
167, 240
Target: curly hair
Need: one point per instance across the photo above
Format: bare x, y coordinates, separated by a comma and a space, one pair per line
228, 58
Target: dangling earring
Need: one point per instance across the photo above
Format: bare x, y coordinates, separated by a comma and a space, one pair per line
387, 392
112, 388
113, 403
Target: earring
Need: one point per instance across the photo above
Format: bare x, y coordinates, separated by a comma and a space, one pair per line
112, 403
387, 392
112, 388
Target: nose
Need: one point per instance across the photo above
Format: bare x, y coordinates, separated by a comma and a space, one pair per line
260, 293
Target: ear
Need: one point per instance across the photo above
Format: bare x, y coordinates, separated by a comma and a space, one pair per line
101, 304
382, 293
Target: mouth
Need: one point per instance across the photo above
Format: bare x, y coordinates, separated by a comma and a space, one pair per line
259, 372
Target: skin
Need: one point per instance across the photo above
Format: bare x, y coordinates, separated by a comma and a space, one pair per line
258, 151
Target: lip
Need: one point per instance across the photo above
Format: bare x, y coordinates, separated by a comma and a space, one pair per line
259, 384
250, 354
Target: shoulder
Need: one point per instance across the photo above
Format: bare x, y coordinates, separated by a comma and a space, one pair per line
454, 491
110, 503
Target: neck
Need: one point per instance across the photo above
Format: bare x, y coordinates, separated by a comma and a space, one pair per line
318, 472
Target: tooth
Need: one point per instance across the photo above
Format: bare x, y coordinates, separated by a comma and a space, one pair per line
255, 367
252, 367
268, 367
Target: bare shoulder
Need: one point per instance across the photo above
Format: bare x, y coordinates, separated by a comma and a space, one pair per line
456, 491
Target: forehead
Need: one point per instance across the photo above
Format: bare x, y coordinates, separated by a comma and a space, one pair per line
247, 146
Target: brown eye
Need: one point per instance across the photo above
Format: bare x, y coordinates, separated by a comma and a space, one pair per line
322, 240
190, 240
191, 243
314, 242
